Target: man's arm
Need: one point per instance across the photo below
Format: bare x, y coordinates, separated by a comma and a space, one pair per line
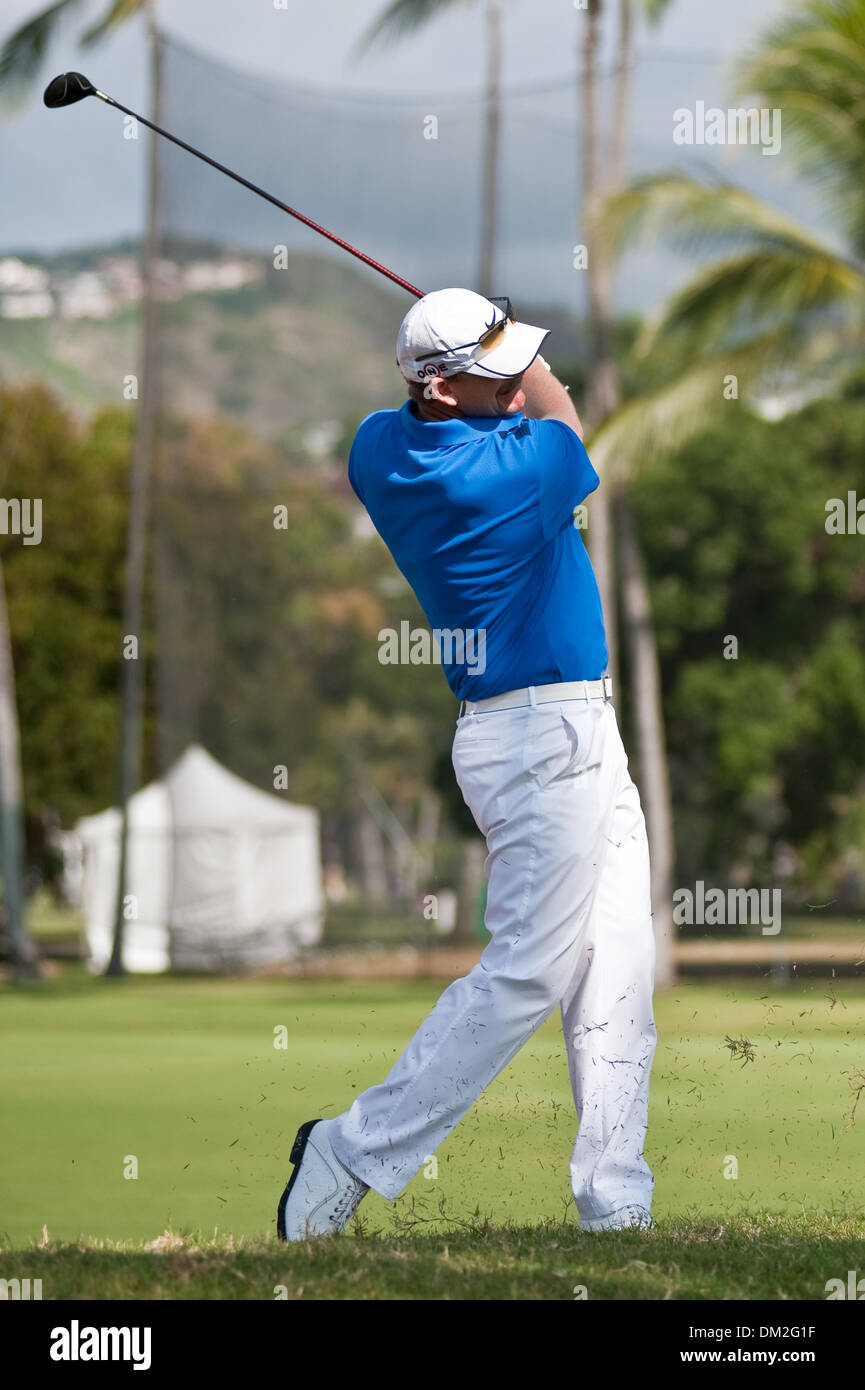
547, 399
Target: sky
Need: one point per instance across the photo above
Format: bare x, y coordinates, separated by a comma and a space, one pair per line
67, 179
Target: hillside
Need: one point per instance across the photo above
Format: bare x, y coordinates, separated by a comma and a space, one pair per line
296, 349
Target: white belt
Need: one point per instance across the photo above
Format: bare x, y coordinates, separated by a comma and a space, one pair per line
543, 695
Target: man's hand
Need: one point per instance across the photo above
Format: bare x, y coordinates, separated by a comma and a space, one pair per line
547, 399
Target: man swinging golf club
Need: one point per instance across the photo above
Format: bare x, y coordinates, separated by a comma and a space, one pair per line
473, 487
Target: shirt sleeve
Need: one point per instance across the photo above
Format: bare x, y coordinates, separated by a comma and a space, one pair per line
352, 472
565, 474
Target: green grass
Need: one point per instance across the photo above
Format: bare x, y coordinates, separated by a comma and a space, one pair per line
764, 1257
797, 926
50, 920
816, 926
183, 1076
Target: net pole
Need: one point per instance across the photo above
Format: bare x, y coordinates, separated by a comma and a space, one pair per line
132, 669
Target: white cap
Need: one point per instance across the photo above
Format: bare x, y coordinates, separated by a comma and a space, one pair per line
439, 336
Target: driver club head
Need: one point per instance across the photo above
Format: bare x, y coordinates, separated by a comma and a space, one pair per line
68, 88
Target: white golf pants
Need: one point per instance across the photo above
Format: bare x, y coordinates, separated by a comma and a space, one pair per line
569, 914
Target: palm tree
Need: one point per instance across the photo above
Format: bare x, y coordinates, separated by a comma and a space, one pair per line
20, 60
779, 297
404, 17
20, 945
612, 523
780, 300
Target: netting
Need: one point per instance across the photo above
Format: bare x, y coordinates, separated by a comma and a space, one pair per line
399, 177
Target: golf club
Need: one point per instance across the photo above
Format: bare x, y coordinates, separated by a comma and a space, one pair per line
70, 87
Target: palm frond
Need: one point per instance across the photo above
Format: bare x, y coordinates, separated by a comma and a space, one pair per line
117, 13
825, 43
663, 418
812, 67
401, 18
667, 416
23, 52
789, 289
697, 216
655, 9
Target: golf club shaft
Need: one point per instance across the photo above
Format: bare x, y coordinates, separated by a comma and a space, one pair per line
262, 193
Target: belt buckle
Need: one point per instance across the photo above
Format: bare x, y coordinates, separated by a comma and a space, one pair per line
608, 687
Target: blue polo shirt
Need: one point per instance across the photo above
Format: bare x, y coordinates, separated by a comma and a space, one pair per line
479, 516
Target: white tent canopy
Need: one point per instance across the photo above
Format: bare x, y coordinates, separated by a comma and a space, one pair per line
222, 876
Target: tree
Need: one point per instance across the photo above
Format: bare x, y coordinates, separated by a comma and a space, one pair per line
782, 300
760, 621
781, 303
22, 951
612, 524
22, 53
20, 59
64, 598
59, 625
404, 17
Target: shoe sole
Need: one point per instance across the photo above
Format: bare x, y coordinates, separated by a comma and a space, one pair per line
296, 1157
639, 1224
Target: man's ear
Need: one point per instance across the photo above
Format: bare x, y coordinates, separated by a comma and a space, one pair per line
440, 388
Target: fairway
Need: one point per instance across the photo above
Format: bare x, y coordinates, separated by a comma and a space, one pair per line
181, 1078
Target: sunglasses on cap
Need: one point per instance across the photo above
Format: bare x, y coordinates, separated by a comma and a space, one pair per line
491, 335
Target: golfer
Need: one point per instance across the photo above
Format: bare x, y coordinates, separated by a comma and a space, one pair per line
473, 487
